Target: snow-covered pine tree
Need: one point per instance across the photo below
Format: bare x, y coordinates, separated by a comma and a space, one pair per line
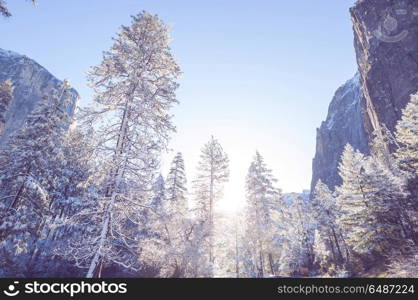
407, 136
387, 163
30, 164
159, 193
297, 247
135, 88
72, 182
153, 242
158, 198
407, 158
228, 239
368, 200
170, 226
239, 244
323, 256
325, 213
6, 94
351, 200
212, 174
261, 233
179, 223
176, 188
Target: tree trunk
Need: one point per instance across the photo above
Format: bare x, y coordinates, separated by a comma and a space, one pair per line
236, 251
211, 223
340, 255
261, 267
271, 265
112, 188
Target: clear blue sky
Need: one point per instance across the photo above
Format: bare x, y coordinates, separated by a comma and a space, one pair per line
257, 74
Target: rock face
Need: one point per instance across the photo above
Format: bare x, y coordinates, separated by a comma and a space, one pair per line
31, 82
344, 124
386, 45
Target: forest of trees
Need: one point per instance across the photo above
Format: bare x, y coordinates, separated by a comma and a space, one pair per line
84, 196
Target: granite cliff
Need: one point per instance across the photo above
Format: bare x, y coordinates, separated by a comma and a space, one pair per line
31, 82
386, 45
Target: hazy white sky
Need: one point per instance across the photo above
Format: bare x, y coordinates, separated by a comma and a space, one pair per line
258, 75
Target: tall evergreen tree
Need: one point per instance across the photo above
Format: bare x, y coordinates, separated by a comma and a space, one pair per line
171, 226
213, 172
29, 160
135, 88
323, 256
297, 247
386, 164
74, 177
368, 200
263, 198
31, 164
159, 193
325, 214
176, 187
407, 157
177, 211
